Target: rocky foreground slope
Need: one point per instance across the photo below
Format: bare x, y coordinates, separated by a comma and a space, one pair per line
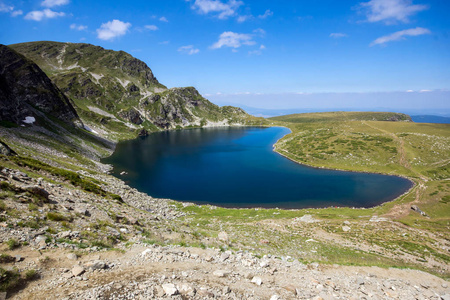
85, 245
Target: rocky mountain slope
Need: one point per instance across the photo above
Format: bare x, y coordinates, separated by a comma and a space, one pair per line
27, 94
115, 93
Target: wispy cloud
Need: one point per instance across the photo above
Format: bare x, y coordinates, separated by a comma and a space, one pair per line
400, 35
190, 49
338, 35
112, 29
221, 9
78, 27
233, 40
52, 3
5, 8
267, 14
258, 51
151, 27
16, 13
242, 19
163, 19
39, 15
390, 11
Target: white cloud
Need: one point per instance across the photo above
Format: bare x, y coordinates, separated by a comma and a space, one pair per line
399, 35
337, 35
261, 32
188, 50
268, 13
151, 27
390, 11
163, 19
5, 8
242, 19
425, 91
257, 52
233, 40
78, 27
16, 13
39, 15
51, 3
112, 29
223, 10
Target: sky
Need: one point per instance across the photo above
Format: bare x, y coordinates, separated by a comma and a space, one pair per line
260, 53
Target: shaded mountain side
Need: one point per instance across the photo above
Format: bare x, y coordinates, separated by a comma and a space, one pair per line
115, 92
26, 92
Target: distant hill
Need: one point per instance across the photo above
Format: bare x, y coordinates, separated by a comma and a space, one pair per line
342, 116
430, 119
115, 93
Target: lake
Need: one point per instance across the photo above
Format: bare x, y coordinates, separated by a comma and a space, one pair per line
236, 167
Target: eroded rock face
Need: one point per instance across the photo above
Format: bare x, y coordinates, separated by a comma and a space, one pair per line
25, 90
131, 115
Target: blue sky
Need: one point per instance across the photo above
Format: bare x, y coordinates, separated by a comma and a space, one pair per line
233, 51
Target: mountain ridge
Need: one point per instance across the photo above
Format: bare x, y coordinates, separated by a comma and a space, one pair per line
116, 94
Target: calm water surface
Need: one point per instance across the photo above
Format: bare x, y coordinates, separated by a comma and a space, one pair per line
236, 167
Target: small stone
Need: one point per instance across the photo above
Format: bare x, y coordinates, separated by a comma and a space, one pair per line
220, 273
203, 292
187, 290
445, 285
345, 228
2, 295
67, 275
170, 289
264, 264
72, 256
291, 288
360, 281
257, 280
274, 297
18, 258
77, 270
159, 292
226, 290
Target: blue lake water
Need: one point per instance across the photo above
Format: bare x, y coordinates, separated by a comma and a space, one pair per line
236, 167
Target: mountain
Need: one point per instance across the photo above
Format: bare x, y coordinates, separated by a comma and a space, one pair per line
115, 93
27, 94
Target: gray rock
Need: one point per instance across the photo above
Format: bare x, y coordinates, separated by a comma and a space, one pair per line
346, 228
257, 280
220, 273
96, 265
72, 256
77, 270
187, 290
170, 289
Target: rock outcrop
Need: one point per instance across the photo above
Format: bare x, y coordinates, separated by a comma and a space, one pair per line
26, 91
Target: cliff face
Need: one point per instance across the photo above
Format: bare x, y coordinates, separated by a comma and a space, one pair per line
26, 91
115, 92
